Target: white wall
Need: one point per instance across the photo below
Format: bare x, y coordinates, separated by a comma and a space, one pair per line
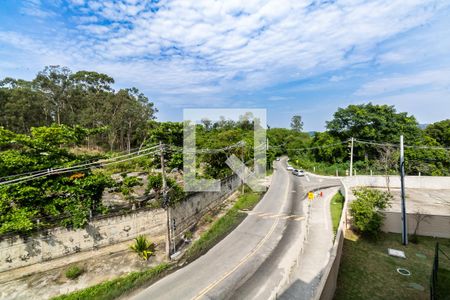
417, 182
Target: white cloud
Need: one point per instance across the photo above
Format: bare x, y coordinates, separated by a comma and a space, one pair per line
34, 8
203, 49
430, 79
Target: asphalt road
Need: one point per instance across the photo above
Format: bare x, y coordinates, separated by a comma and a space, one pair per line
256, 259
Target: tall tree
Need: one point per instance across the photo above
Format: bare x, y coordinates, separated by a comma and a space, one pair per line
55, 82
297, 123
380, 123
21, 106
440, 131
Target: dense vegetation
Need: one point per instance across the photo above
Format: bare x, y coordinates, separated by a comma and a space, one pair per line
58, 96
59, 117
377, 129
68, 199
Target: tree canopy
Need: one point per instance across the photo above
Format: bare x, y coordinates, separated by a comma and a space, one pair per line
85, 98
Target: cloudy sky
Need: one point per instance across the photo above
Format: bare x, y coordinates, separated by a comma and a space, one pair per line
292, 57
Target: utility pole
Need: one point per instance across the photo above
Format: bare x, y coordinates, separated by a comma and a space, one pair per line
351, 158
402, 181
165, 200
243, 167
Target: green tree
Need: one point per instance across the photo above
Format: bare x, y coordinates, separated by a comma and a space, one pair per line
55, 83
297, 123
365, 210
381, 123
21, 106
440, 131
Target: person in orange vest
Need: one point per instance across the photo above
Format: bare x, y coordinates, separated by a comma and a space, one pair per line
321, 194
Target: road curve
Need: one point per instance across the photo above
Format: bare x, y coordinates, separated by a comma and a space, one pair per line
254, 260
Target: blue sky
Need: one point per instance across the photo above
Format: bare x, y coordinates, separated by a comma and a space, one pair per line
291, 57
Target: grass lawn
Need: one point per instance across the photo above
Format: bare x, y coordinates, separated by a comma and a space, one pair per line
336, 204
368, 272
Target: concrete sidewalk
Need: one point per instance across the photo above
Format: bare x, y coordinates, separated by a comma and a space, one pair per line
316, 250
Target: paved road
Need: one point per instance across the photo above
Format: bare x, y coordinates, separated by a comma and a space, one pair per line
257, 258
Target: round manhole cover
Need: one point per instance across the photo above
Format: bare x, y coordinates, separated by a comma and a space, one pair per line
403, 271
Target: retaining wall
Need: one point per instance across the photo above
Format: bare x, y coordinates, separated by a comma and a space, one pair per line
18, 251
327, 285
189, 212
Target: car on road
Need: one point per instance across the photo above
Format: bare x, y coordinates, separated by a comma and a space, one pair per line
298, 173
290, 168
278, 159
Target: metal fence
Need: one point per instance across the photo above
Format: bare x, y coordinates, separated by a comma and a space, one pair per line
435, 293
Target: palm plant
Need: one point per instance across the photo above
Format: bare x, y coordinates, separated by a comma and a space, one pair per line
143, 247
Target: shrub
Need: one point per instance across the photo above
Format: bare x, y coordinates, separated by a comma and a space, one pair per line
175, 193
74, 272
188, 235
365, 210
143, 247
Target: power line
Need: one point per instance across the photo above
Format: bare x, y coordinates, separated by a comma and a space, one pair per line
96, 164
397, 146
308, 148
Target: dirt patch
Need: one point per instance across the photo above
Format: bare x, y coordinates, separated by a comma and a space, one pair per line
105, 266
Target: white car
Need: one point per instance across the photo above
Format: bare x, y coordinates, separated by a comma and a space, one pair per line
290, 168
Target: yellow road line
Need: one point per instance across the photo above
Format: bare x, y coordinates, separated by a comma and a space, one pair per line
243, 260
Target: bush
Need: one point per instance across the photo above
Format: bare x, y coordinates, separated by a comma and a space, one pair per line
143, 247
74, 272
175, 192
365, 210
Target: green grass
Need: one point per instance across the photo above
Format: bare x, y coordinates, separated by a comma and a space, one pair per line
368, 272
74, 272
113, 289
336, 204
221, 227
443, 284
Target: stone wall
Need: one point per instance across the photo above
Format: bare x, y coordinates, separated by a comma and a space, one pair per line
189, 212
18, 251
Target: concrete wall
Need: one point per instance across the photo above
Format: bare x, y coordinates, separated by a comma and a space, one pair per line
189, 212
327, 285
432, 225
417, 182
17, 251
